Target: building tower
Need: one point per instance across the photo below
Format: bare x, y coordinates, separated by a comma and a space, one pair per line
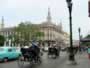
2, 22
61, 27
49, 16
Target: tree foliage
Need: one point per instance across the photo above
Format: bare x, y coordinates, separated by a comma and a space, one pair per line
88, 36
2, 40
25, 32
88, 42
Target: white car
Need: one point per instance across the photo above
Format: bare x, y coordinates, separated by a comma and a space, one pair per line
45, 48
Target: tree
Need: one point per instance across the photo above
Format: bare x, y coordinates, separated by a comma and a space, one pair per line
87, 43
2, 40
25, 32
88, 36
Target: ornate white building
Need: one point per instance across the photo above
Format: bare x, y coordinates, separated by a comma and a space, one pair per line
53, 32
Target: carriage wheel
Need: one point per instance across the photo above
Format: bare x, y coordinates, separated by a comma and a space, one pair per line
20, 62
39, 60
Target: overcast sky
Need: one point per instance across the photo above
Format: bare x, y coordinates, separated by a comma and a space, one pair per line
15, 11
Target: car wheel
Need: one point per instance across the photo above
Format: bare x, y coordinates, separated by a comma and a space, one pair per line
5, 59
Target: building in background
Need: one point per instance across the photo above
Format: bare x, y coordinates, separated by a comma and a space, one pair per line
52, 33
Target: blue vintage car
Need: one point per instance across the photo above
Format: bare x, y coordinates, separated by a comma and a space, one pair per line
7, 53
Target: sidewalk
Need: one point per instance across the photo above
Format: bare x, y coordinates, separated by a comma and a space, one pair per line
82, 62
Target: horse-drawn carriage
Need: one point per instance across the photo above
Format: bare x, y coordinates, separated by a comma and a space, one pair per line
28, 57
53, 52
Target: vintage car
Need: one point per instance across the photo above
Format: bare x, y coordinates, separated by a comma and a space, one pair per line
7, 53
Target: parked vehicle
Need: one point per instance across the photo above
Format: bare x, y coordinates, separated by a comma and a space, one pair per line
7, 53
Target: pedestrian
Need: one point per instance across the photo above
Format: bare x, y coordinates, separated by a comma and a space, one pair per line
88, 51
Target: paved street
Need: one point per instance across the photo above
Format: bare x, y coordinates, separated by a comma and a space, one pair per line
82, 62
47, 62
60, 62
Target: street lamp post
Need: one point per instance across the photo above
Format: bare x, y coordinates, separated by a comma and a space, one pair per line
79, 30
71, 55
